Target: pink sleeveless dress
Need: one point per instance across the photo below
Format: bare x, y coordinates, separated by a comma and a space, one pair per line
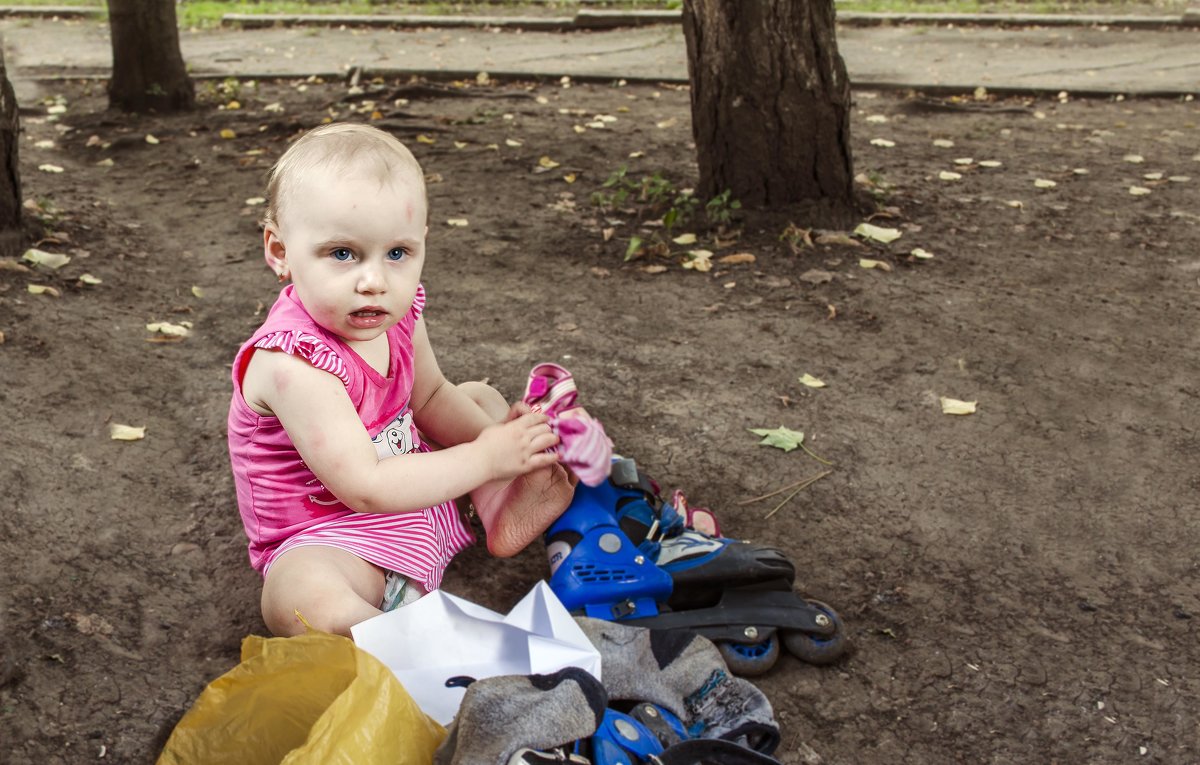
283, 505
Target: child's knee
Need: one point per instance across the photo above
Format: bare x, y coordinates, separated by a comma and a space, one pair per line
487, 397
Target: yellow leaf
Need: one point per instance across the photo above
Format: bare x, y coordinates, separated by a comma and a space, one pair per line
511, 142
868, 263
636, 154
811, 381
151, 140
126, 432
580, 129
877, 233
198, 291
233, 105
41, 289
50, 168
954, 406
106, 162
1018, 204
457, 222
943, 143
737, 258
547, 163
1043, 183
169, 329
376, 115
89, 279
685, 239
698, 260
1139, 191
569, 177
963, 161
668, 123
54, 260
252, 201
1135, 159
654, 269
460, 144
921, 254
885, 143
226, 133
425, 139
946, 175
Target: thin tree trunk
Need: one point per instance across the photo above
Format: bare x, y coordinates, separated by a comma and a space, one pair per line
148, 69
770, 104
11, 233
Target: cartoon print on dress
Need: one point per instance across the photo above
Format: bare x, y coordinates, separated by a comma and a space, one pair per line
396, 437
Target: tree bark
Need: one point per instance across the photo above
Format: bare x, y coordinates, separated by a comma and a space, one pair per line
771, 104
11, 232
148, 69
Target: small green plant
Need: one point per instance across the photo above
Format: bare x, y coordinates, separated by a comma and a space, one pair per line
720, 209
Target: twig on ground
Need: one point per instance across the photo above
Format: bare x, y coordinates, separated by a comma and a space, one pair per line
782, 489
803, 485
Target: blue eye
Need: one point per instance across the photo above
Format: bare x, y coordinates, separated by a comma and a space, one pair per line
341, 254
397, 253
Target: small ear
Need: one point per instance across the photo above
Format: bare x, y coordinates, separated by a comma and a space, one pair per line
273, 251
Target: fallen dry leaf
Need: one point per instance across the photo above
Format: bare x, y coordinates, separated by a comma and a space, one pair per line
869, 263
119, 432
954, 406
698, 260
227, 134
512, 142
182, 329
1139, 191
458, 222
990, 163
816, 276
737, 258
877, 233
685, 239
42, 289
943, 143
547, 163
150, 139
197, 291
10, 264
653, 269
883, 142
570, 177
51, 260
921, 254
422, 138
1044, 183
810, 381
91, 280
50, 168
946, 175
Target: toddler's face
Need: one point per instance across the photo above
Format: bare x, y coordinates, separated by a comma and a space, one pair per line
354, 247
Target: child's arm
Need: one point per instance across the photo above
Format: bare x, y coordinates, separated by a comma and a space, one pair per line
314, 409
443, 413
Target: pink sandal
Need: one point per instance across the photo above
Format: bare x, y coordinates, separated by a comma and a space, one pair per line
697, 518
584, 447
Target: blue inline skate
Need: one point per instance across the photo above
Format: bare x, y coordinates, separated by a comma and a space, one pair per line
620, 553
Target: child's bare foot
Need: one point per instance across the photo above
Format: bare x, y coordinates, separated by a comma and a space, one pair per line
516, 512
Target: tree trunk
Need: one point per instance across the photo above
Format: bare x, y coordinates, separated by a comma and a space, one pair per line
148, 71
771, 104
11, 233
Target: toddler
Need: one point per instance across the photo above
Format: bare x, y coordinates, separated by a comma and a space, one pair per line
348, 445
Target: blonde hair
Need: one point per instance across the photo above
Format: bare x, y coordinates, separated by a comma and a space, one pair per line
340, 145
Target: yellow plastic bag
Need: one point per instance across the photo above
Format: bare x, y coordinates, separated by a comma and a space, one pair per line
314, 699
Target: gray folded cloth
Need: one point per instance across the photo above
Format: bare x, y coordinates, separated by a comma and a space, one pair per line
685, 674
501, 715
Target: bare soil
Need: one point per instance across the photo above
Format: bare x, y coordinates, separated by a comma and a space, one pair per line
1020, 584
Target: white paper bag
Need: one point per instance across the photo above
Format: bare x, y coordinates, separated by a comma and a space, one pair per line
441, 636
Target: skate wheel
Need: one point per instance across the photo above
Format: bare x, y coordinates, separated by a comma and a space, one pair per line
750, 659
813, 649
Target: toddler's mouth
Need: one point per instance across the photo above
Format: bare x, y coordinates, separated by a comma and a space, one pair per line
368, 318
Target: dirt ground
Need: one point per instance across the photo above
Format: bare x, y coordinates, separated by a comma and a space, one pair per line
1020, 584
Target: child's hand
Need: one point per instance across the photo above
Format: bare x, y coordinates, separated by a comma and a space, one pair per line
519, 445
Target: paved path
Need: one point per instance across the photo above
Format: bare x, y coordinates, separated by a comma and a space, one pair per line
1049, 59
